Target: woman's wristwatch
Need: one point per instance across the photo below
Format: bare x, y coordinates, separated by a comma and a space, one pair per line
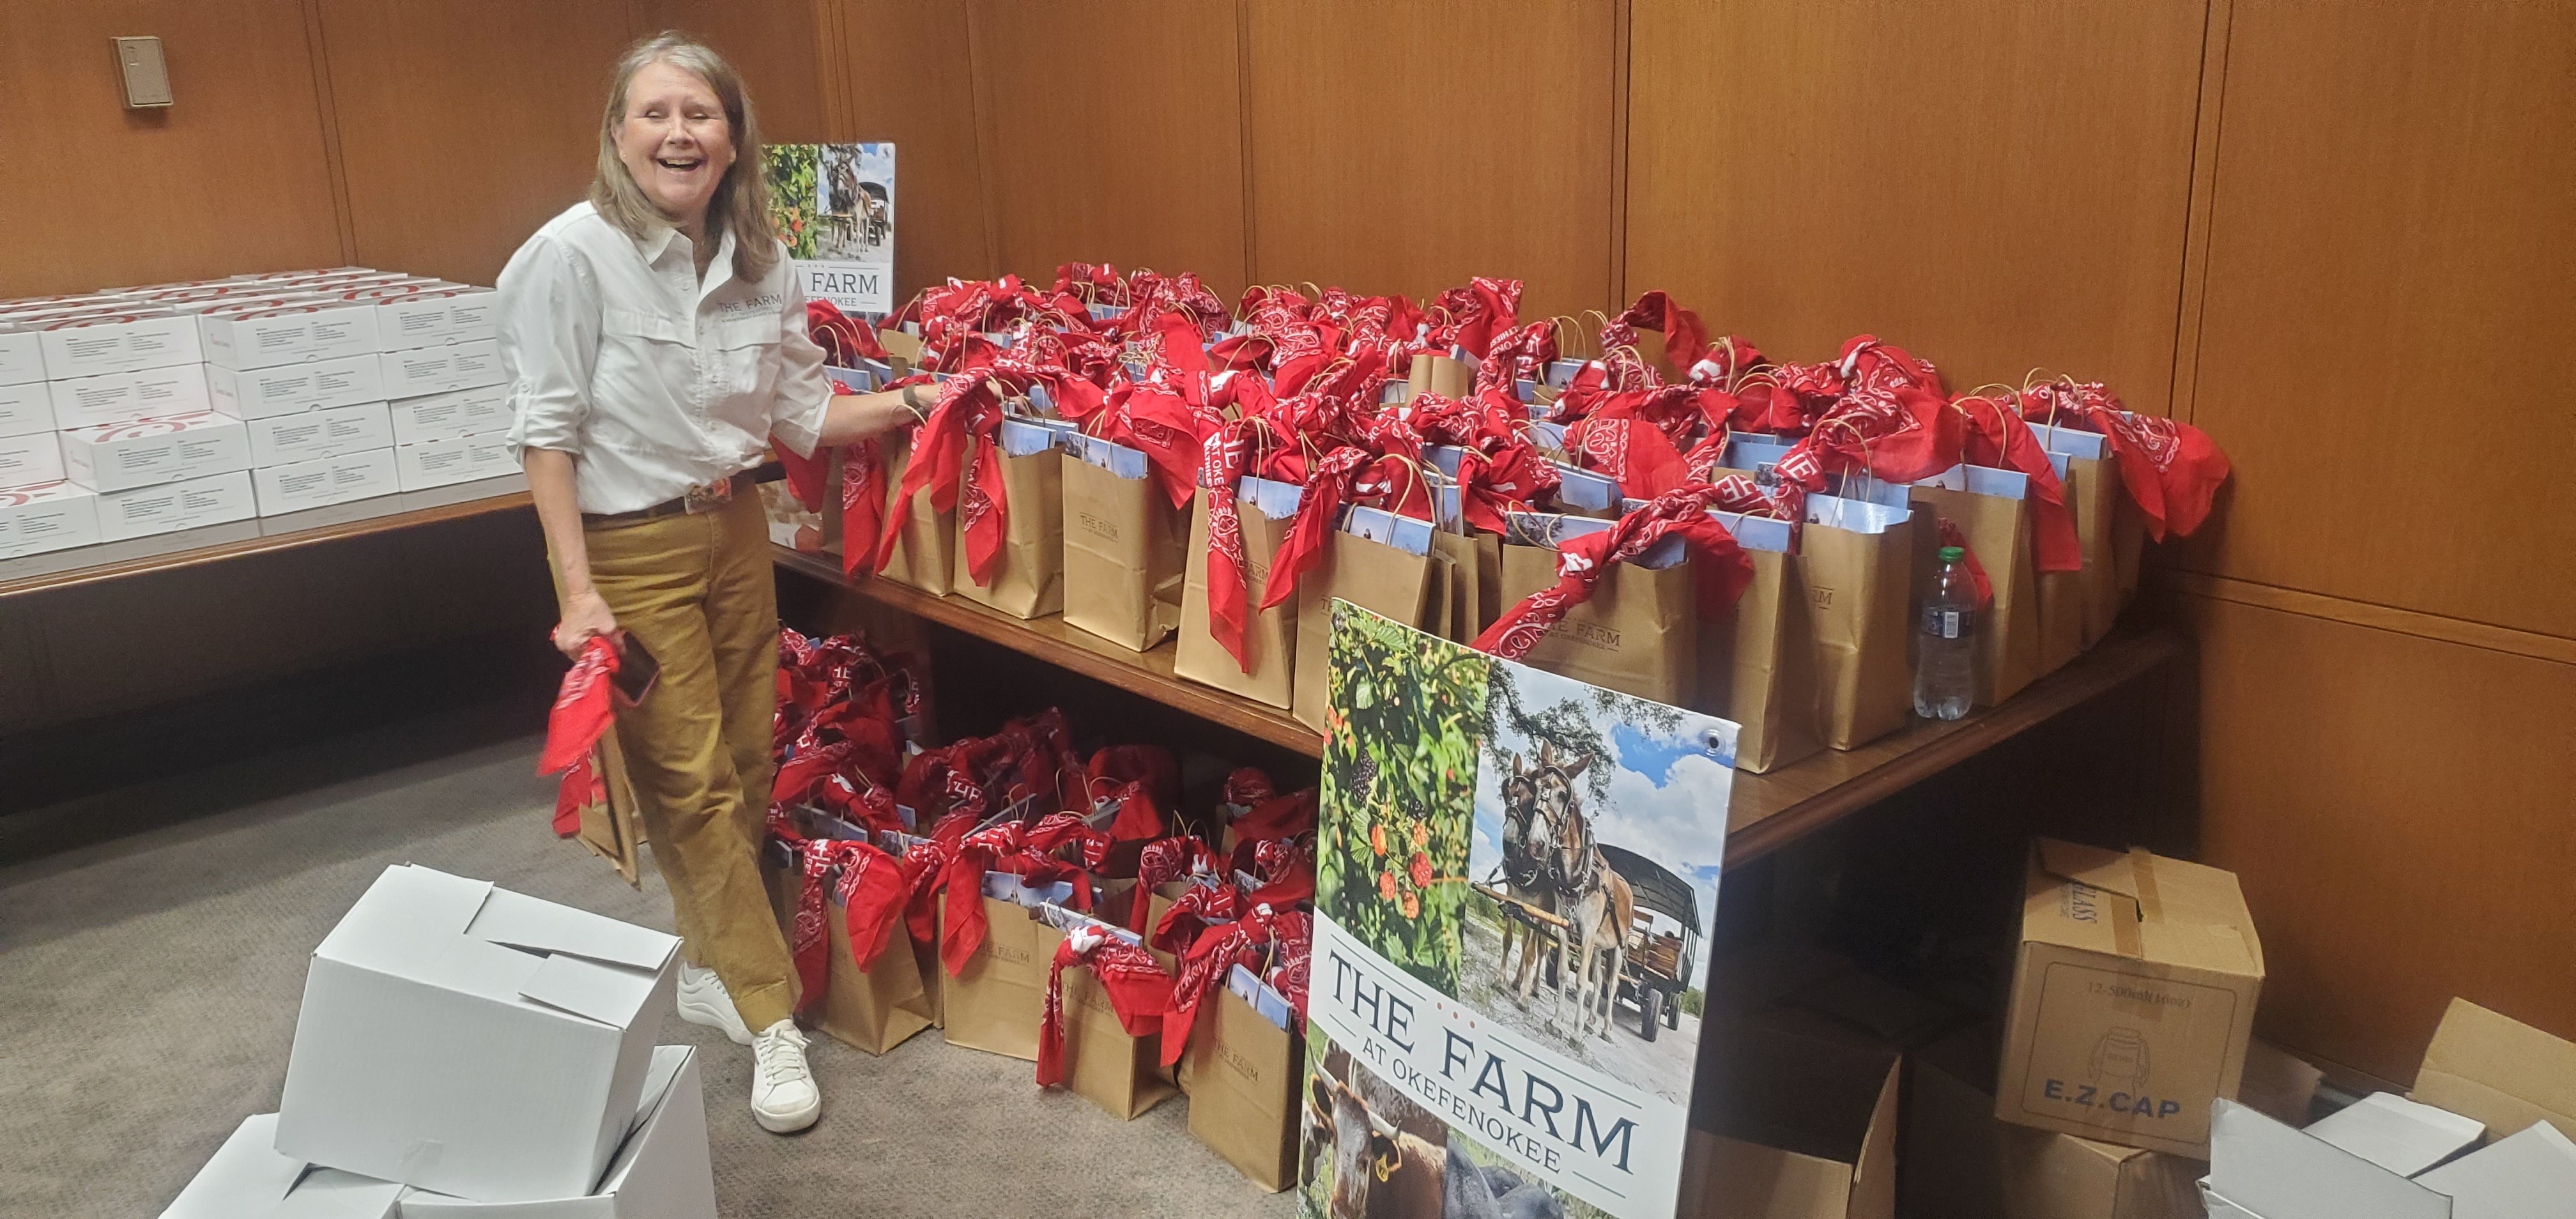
913, 404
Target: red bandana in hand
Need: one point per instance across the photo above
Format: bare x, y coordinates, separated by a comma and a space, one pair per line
1138, 990
1724, 568
582, 707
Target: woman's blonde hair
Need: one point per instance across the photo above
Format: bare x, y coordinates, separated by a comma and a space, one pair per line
741, 202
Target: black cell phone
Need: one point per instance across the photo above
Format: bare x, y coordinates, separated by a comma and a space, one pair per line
636, 670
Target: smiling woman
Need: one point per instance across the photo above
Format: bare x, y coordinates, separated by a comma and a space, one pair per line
656, 345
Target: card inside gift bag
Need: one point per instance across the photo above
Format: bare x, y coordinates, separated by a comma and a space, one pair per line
1264, 510
1027, 574
992, 1003
1243, 1065
1639, 632
1125, 546
1378, 561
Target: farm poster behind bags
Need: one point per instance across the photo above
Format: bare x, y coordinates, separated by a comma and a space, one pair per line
1479, 814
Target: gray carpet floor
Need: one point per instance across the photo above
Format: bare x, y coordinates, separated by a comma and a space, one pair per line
149, 986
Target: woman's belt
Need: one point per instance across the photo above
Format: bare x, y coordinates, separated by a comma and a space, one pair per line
709, 497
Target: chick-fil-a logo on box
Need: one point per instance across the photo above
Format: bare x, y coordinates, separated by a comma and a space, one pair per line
112, 319
141, 428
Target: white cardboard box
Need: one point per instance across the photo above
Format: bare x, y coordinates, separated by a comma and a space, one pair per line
307, 273
481, 411
55, 516
25, 461
26, 407
216, 499
662, 1171
454, 314
22, 356
139, 454
330, 432
123, 397
2531, 1175
433, 370
436, 463
291, 334
92, 344
473, 1041
323, 481
286, 389
248, 1179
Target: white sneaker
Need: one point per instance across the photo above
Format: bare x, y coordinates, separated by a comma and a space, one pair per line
703, 1001
783, 1096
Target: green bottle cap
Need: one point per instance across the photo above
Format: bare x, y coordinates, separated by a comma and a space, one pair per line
1952, 554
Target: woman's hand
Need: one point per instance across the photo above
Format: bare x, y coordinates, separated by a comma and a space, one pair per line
585, 616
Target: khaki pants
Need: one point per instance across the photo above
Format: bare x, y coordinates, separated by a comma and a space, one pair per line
698, 593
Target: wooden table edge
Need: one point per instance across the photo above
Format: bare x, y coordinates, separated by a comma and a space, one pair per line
216, 552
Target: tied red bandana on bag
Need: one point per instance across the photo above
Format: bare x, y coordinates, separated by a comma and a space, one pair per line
1891, 420
871, 890
1724, 568
2172, 471
1138, 990
1999, 439
1162, 862
1685, 338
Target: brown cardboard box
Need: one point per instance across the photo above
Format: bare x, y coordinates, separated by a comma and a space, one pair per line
2132, 999
1786, 1125
1956, 1161
2498, 1071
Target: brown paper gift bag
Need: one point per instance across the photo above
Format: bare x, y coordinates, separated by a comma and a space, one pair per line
993, 1003
1270, 635
2093, 492
1125, 547
874, 1009
1757, 664
1438, 374
2006, 656
1102, 1063
1378, 577
1639, 634
923, 558
1468, 594
1858, 560
1244, 1105
1028, 574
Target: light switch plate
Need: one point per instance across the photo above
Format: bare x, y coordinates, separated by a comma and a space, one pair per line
147, 77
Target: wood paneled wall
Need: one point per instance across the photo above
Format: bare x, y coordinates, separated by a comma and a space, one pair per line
2334, 236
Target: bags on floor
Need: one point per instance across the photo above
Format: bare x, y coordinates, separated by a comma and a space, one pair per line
925, 554
1125, 546
1639, 631
1025, 575
1858, 559
1757, 665
1266, 672
1987, 508
993, 1001
873, 1008
1243, 1072
1378, 561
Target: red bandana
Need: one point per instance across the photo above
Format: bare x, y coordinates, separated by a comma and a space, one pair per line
1138, 989
1724, 568
582, 707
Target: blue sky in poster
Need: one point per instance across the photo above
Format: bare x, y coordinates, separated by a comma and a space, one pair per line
1666, 798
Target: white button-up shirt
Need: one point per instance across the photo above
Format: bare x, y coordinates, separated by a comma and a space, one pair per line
653, 381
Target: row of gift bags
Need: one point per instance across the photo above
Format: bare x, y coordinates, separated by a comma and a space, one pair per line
1817, 654
1240, 1068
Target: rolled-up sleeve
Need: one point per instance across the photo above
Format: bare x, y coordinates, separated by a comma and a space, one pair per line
548, 322
804, 391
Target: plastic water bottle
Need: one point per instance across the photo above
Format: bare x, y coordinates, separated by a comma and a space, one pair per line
1943, 682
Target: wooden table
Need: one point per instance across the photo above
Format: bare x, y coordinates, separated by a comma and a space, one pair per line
259, 535
1765, 812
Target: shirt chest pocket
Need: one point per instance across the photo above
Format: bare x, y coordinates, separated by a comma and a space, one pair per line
743, 347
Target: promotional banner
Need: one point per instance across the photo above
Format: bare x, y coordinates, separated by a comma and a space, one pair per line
834, 205
1515, 877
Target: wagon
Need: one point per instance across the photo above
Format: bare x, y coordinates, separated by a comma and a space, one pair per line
1658, 965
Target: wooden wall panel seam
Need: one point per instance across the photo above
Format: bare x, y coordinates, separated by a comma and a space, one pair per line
838, 119
2206, 132
997, 259
1243, 133
2530, 645
1622, 28
327, 113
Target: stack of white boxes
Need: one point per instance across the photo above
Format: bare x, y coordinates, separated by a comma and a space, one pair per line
464, 1050
138, 411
